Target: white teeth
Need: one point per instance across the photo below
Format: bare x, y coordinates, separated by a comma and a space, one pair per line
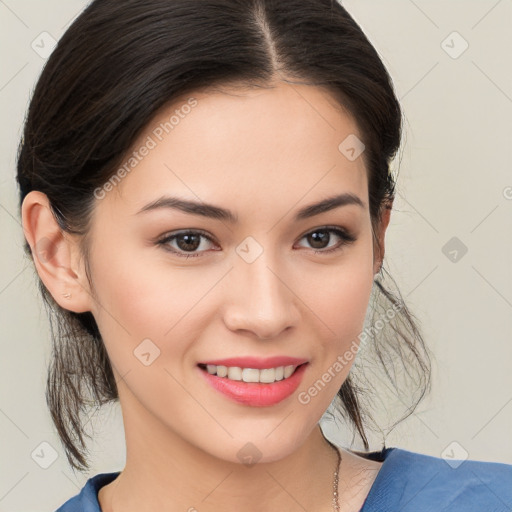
222, 371
250, 375
234, 373
288, 370
266, 375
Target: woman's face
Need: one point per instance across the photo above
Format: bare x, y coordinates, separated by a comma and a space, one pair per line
247, 286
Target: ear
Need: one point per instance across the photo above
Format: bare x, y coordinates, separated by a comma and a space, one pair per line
55, 254
383, 224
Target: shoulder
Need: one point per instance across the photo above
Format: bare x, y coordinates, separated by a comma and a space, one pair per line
410, 481
87, 499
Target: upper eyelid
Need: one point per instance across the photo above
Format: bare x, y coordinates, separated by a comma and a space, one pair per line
199, 231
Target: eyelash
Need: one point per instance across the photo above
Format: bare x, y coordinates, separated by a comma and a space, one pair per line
345, 236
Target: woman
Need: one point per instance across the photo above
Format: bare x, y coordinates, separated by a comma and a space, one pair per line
205, 191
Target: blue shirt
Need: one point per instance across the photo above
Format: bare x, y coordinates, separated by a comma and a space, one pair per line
406, 482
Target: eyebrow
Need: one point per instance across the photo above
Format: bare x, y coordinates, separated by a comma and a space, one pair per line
218, 213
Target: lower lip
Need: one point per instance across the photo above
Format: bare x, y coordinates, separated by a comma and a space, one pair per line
253, 393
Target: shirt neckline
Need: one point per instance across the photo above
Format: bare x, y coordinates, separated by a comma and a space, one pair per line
371, 501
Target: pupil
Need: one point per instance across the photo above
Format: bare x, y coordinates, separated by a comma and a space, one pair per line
316, 238
192, 245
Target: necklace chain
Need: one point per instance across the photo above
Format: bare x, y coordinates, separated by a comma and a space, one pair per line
335, 497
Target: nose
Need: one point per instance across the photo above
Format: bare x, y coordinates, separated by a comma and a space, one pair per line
261, 301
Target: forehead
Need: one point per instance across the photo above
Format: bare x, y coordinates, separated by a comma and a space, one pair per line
238, 146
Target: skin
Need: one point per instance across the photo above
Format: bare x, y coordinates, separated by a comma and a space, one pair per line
263, 154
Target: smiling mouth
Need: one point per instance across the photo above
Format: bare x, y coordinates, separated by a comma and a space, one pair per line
251, 375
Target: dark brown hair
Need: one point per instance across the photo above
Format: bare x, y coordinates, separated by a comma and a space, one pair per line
116, 66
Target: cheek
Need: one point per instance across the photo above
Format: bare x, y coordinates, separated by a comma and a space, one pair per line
338, 293
340, 300
143, 297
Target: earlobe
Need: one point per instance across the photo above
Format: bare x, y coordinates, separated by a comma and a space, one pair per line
55, 254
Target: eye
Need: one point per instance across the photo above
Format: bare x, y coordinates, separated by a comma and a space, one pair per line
320, 236
189, 242
186, 241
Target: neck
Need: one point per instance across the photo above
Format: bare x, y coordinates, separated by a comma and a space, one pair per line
166, 473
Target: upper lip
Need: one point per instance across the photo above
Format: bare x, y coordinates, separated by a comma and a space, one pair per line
257, 362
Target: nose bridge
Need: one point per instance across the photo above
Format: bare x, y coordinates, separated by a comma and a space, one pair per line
265, 289
261, 300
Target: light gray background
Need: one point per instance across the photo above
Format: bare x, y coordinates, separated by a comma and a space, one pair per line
455, 181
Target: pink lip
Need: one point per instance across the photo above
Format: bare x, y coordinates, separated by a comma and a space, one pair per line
257, 363
255, 394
